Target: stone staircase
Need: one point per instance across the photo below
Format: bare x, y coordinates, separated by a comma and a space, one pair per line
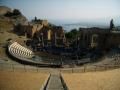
55, 83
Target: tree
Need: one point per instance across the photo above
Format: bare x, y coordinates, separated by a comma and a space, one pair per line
71, 35
111, 24
74, 31
35, 18
16, 12
8, 14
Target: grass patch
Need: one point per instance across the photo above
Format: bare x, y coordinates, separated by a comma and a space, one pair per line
5, 25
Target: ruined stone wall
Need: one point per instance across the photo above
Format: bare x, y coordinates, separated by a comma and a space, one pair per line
114, 40
105, 39
45, 22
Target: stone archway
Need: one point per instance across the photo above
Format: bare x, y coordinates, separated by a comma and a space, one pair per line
94, 40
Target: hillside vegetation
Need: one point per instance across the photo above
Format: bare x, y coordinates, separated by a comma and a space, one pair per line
5, 25
8, 19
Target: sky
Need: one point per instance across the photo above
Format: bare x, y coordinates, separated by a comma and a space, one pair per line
68, 10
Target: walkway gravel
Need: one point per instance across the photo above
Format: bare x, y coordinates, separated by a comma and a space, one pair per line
55, 83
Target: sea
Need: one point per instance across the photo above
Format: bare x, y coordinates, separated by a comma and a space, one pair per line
68, 26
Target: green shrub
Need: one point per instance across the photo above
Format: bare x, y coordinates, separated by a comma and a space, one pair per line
14, 13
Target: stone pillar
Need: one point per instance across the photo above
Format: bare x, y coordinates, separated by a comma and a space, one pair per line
78, 42
42, 39
55, 38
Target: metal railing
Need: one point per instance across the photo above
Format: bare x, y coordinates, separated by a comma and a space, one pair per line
37, 68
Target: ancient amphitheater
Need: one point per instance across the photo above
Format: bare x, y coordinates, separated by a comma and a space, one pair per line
90, 77
24, 55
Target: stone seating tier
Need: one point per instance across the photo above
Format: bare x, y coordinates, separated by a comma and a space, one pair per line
20, 51
22, 48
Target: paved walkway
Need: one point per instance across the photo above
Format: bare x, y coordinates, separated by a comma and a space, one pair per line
55, 82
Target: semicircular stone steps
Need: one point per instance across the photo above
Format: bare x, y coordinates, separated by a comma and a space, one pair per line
19, 51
